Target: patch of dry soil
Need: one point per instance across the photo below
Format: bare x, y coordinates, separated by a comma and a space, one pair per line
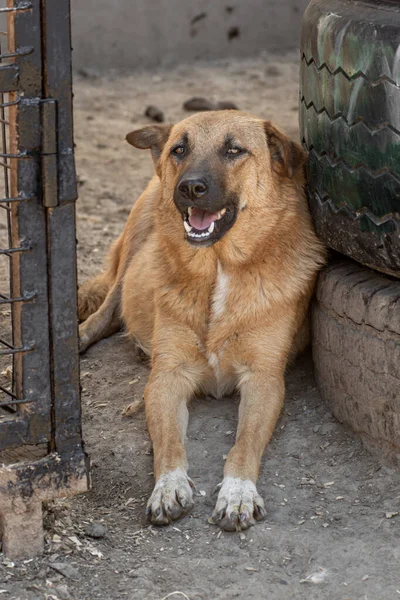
332, 529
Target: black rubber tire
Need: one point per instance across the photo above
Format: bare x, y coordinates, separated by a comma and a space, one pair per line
350, 125
356, 351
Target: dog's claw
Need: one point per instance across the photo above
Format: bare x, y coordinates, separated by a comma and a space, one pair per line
259, 512
238, 505
181, 499
217, 488
192, 484
172, 498
219, 516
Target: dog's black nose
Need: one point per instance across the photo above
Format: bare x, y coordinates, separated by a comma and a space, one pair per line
193, 188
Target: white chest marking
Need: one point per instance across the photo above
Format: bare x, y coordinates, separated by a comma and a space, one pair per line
220, 294
213, 361
218, 305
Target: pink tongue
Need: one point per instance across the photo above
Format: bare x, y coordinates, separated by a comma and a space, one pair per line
201, 219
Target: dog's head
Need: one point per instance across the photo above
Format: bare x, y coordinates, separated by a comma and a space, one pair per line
215, 165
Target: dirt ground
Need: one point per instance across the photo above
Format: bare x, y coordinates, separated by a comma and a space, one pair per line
332, 530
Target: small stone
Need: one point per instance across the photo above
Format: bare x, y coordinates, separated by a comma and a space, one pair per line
307, 481
390, 515
198, 104
7, 373
95, 530
316, 428
154, 113
41, 574
62, 592
273, 71
326, 428
66, 570
232, 33
226, 105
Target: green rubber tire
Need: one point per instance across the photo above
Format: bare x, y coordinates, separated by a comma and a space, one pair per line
350, 125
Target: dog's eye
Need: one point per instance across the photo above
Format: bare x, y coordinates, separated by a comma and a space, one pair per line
235, 151
178, 150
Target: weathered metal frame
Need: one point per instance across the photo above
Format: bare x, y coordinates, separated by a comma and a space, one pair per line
45, 392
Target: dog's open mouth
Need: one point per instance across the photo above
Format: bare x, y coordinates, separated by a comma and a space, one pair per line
203, 226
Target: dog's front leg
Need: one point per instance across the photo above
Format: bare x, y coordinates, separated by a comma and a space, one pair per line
176, 376
239, 504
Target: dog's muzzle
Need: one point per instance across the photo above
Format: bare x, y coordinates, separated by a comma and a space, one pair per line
205, 218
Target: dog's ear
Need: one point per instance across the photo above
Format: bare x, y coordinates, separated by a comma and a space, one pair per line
152, 137
287, 156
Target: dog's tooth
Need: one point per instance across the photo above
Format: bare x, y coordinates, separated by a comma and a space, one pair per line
189, 211
211, 228
187, 226
222, 212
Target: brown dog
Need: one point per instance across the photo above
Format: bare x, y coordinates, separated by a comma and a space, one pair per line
212, 276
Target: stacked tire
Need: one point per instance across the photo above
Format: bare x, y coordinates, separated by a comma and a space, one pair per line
350, 126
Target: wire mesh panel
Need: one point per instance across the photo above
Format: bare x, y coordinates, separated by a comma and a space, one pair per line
27, 399
40, 430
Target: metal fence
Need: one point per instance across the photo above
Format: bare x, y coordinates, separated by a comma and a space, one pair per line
41, 452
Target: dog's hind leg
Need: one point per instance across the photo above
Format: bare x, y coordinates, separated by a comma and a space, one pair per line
92, 293
98, 302
99, 299
104, 322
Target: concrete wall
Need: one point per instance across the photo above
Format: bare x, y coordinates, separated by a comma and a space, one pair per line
131, 34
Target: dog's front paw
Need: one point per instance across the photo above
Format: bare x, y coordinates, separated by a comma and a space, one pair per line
238, 505
172, 498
